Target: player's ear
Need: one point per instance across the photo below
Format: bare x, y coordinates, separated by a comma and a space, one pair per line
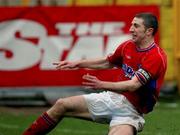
149, 31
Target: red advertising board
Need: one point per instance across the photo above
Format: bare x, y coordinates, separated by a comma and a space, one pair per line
31, 39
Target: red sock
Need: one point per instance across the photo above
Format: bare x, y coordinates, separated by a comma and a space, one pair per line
43, 125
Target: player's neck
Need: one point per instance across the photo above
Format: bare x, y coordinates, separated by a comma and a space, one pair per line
146, 43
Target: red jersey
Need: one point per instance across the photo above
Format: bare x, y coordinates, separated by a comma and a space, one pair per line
148, 65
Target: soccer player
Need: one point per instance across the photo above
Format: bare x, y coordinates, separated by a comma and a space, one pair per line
122, 104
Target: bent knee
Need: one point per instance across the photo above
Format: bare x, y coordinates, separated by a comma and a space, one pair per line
58, 108
60, 105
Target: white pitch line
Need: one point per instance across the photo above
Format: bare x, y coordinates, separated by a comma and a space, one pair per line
172, 105
8, 126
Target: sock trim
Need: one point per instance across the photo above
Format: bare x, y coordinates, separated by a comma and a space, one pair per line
49, 120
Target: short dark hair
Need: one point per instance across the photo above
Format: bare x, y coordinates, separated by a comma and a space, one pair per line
150, 21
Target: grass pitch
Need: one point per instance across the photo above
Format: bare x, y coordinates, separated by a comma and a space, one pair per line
164, 120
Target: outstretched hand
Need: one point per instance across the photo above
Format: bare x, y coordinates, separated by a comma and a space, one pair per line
92, 82
65, 65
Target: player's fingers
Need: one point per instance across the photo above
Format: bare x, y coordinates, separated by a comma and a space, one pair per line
88, 76
61, 65
55, 63
88, 84
88, 87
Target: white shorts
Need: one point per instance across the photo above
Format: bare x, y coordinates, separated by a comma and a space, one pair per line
113, 108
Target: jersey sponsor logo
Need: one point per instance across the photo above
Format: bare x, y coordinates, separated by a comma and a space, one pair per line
128, 70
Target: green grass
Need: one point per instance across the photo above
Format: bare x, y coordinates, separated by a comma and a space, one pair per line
164, 120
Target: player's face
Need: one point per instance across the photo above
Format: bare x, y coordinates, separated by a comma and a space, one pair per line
137, 30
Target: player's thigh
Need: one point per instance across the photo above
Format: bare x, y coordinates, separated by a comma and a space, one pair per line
75, 104
69, 104
122, 130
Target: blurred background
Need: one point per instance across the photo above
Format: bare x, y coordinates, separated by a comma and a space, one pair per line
169, 34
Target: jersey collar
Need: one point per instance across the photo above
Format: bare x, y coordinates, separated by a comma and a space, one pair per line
146, 49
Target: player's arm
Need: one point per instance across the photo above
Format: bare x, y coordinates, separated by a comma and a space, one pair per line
95, 83
101, 63
129, 85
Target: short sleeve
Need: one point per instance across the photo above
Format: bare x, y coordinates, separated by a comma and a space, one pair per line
151, 68
153, 65
117, 57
